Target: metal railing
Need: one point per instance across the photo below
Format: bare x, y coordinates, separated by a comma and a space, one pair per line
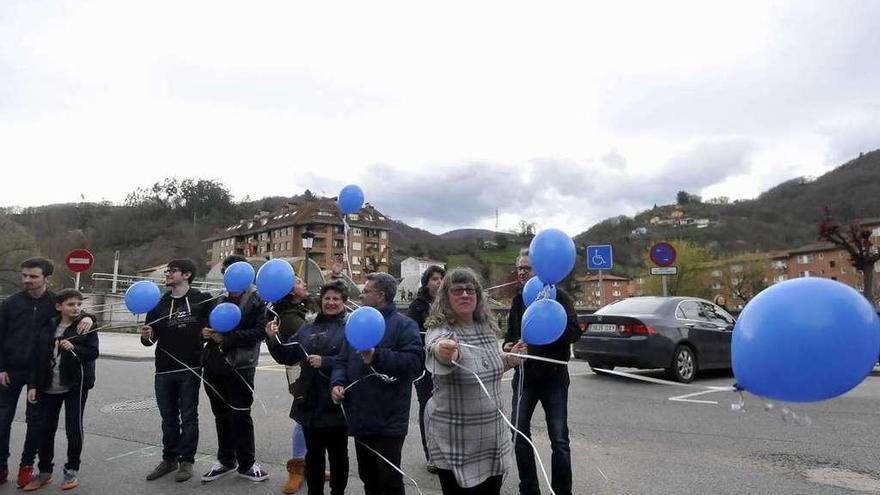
125, 281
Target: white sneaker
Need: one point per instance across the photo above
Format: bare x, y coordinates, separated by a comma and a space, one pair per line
218, 470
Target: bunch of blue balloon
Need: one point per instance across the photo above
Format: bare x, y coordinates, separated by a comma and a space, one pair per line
238, 277
552, 255
275, 279
365, 328
142, 297
805, 340
225, 317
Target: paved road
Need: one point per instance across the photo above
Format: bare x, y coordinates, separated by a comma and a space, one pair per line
627, 437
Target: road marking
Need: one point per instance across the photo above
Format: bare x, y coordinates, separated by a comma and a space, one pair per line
141, 450
687, 397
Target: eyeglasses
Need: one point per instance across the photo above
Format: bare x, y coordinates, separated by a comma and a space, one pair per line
458, 291
169, 271
524, 268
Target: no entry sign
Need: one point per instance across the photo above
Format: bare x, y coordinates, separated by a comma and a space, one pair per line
79, 260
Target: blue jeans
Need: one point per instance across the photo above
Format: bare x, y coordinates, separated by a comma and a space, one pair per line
177, 395
299, 442
547, 384
8, 403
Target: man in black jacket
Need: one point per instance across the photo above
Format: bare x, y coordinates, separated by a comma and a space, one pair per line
230, 363
176, 328
22, 316
542, 382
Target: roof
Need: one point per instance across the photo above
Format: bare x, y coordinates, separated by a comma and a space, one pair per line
321, 211
814, 248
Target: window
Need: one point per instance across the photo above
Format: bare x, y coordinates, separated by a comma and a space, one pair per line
832, 264
805, 273
287, 245
716, 273
804, 259
843, 269
355, 260
716, 315
383, 235
615, 284
356, 232
716, 286
356, 246
821, 256
338, 244
353, 217
736, 268
689, 310
780, 278
615, 293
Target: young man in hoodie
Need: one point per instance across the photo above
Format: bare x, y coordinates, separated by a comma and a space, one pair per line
230, 363
22, 316
418, 311
176, 329
378, 407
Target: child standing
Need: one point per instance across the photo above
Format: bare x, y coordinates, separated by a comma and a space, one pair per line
62, 373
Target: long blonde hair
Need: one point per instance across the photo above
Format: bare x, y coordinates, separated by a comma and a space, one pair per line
441, 310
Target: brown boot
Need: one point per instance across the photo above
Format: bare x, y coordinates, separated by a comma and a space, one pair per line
295, 469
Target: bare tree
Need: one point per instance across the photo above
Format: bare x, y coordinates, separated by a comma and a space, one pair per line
856, 240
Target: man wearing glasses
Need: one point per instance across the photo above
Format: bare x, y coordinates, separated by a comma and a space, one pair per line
542, 382
378, 407
175, 326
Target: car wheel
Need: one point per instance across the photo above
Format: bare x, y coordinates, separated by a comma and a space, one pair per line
601, 366
684, 365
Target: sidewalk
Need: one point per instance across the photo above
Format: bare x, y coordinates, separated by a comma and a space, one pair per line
128, 347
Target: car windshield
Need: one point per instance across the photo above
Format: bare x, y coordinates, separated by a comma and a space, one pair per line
635, 305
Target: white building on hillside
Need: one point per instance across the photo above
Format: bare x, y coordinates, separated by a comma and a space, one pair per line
411, 270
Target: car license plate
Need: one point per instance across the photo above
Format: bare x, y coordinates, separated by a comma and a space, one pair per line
603, 327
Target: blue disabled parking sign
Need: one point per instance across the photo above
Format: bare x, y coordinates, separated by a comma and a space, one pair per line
599, 257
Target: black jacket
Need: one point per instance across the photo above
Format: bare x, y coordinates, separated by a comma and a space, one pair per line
560, 349
241, 347
420, 308
77, 366
314, 407
21, 318
179, 334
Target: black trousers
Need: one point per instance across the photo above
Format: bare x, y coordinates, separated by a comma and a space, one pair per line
177, 395
232, 415
49, 406
9, 396
379, 478
492, 486
333, 441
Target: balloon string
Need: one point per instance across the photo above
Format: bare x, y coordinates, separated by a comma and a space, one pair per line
346, 254
202, 379
157, 320
498, 408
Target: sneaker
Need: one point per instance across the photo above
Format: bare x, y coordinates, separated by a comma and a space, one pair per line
218, 469
184, 473
431, 467
25, 475
4, 475
255, 473
70, 481
162, 469
38, 482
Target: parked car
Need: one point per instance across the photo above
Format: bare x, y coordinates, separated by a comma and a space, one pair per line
680, 334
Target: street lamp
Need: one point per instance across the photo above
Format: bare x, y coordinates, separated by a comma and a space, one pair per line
308, 238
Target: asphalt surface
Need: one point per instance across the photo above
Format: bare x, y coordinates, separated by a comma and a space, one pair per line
626, 437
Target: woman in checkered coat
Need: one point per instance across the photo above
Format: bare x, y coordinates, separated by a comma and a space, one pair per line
467, 437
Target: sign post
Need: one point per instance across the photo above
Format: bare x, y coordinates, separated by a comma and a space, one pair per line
663, 255
78, 261
600, 257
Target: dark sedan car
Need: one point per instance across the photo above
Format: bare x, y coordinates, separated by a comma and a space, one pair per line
681, 334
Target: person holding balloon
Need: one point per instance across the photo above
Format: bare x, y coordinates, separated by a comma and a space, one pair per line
538, 381
229, 360
315, 347
418, 311
467, 437
380, 359
174, 325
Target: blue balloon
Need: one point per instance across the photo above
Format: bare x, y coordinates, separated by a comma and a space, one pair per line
365, 328
275, 279
142, 297
238, 276
805, 340
533, 289
543, 322
351, 199
225, 317
552, 255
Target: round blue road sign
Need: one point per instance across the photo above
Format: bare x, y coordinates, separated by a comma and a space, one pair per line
662, 254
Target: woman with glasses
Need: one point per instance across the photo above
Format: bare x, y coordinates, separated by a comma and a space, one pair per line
467, 437
315, 347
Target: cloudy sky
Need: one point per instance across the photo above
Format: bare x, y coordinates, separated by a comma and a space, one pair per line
557, 113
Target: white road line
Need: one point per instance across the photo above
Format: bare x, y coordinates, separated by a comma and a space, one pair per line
686, 397
131, 453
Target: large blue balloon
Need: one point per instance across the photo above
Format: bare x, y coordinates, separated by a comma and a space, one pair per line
805, 340
543, 322
552, 255
142, 297
351, 199
365, 328
225, 317
238, 276
275, 279
533, 289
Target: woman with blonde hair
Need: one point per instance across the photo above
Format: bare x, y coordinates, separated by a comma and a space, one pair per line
467, 438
